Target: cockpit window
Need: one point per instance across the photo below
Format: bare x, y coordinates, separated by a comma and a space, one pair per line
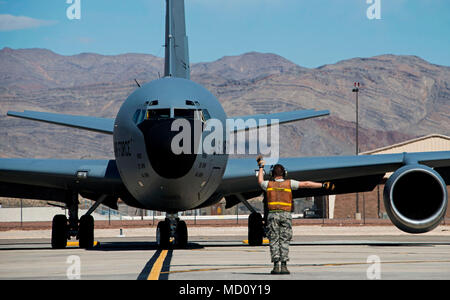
206, 115
139, 116
136, 116
155, 114
185, 114
192, 114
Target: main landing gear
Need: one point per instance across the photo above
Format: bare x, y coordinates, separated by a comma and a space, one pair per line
172, 232
82, 229
256, 228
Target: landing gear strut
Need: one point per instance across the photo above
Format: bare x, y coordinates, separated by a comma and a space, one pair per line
64, 229
172, 231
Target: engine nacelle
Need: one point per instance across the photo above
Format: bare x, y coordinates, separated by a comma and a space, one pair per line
415, 198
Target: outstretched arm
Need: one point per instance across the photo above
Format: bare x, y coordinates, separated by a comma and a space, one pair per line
310, 185
316, 185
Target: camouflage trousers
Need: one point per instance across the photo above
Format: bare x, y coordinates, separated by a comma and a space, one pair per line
280, 234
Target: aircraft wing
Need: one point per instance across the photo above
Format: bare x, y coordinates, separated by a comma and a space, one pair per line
349, 173
254, 121
101, 125
105, 125
49, 179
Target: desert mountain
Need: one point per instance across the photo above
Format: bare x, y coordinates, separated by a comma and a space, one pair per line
401, 97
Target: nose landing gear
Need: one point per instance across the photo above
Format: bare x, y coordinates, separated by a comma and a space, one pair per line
172, 232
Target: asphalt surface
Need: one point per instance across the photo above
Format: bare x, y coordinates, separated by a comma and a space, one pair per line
227, 257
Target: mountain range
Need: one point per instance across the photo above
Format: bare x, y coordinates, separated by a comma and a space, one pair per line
401, 97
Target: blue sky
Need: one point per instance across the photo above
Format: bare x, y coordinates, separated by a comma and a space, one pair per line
309, 33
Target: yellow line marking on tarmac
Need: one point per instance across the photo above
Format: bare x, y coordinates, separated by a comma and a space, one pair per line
77, 244
265, 241
157, 266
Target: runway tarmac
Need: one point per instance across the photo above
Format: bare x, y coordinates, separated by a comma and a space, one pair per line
338, 255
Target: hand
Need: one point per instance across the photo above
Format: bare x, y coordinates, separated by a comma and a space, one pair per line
260, 161
328, 186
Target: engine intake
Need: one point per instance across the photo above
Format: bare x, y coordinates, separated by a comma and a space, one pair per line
415, 198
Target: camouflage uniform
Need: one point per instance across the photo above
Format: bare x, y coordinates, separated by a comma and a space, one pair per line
279, 223
280, 234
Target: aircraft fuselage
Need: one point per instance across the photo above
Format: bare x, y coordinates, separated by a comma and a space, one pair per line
143, 134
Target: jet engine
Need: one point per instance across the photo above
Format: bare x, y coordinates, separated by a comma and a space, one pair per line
415, 198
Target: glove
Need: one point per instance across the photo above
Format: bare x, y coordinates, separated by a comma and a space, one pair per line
328, 186
260, 161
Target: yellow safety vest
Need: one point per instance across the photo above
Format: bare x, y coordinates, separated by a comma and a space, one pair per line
279, 195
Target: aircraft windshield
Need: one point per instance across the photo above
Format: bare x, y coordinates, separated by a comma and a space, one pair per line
190, 114
155, 114
179, 113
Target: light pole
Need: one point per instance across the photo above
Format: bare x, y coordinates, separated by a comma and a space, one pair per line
355, 90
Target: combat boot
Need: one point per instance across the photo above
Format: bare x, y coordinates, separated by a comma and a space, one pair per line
284, 269
276, 268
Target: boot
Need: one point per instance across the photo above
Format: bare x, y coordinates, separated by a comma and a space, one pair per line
276, 268
284, 269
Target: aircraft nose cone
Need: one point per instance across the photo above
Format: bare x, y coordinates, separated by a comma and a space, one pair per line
158, 141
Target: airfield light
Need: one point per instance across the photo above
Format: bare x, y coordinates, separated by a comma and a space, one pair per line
356, 91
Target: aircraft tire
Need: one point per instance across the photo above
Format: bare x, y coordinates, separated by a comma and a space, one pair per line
59, 232
86, 232
255, 229
181, 238
163, 235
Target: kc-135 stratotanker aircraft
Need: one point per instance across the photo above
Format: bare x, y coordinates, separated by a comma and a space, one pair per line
147, 174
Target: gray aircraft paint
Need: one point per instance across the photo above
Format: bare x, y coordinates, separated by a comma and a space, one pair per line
206, 178
152, 190
177, 51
